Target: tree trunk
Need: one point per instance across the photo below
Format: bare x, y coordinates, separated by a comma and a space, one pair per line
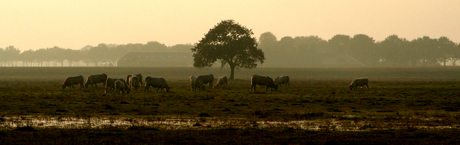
232, 71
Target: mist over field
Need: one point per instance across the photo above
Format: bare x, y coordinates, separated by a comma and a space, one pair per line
303, 51
297, 74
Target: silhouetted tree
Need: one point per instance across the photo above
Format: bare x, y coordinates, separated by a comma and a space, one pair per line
308, 51
27, 57
455, 54
101, 53
425, 51
181, 48
154, 46
231, 44
268, 42
362, 48
393, 50
9, 55
445, 48
339, 43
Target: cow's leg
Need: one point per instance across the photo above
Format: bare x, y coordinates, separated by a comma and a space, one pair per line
146, 89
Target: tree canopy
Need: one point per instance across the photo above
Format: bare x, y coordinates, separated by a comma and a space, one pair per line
231, 44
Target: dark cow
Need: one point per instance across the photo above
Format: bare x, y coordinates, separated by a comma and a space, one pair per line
221, 81
122, 86
159, 83
361, 82
139, 76
196, 84
110, 84
263, 81
133, 81
206, 79
70, 81
282, 80
192, 82
94, 79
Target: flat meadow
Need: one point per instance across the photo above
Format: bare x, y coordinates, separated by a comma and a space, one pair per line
412, 105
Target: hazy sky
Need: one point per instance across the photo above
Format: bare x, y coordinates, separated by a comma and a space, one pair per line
35, 24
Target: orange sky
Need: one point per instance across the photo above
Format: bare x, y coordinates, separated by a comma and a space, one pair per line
35, 24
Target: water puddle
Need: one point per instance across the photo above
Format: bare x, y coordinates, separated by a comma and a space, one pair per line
213, 123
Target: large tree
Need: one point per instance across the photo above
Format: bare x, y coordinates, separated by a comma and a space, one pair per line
362, 48
339, 43
268, 42
393, 51
231, 44
446, 49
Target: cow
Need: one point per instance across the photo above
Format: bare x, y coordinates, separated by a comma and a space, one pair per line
206, 79
282, 80
360, 82
196, 84
133, 81
110, 84
94, 79
122, 86
221, 81
192, 82
159, 83
263, 81
139, 76
70, 81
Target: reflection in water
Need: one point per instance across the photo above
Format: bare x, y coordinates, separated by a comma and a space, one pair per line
213, 123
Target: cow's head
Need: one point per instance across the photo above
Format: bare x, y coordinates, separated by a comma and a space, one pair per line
167, 89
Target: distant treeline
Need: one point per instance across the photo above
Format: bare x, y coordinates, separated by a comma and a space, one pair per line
302, 51
393, 51
101, 55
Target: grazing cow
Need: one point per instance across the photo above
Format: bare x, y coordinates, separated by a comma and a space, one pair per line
70, 81
206, 79
196, 84
221, 81
192, 82
94, 79
361, 82
110, 84
139, 76
133, 81
282, 80
121, 86
263, 81
159, 83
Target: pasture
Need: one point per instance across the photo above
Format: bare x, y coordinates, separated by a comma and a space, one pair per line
420, 99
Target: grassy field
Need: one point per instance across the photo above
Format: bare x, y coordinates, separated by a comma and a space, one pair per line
408, 96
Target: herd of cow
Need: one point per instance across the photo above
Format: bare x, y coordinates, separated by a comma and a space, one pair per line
135, 81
